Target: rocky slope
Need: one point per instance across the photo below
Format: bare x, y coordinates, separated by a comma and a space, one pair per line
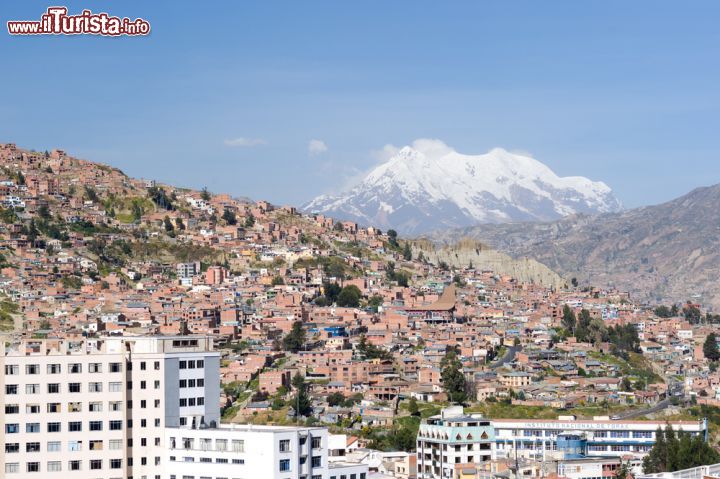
429, 184
666, 252
469, 252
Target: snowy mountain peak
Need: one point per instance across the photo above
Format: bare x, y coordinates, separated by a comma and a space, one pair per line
429, 185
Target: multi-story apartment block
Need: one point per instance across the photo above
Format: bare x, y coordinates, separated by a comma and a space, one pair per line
451, 441
98, 408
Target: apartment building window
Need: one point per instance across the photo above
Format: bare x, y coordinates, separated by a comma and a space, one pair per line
200, 401
156, 384
74, 387
115, 463
96, 445
157, 366
33, 467
12, 409
183, 365
95, 407
115, 387
75, 407
206, 459
75, 426
221, 460
53, 446
96, 425
32, 369
12, 468
238, 461
115, 444
53, 369
316, 461
157, 403
143, 404
143, 384
12, 447
143, 366
191, 401
284, 465
221, 444
53, 427
316, 443
74, 446
238, 445
32, 389
115, 367
183, 402
95, 387
318, 476
183, 383
191, 364
11, 389
143, 422
95, 367
75, 368
191, 383
157, 422
74, 465
32, 447
53, 407
200, 363
285, 445
32, 427
53, 388
115, 425
12, 369
200, 382
54, 466
95, 464
116, 405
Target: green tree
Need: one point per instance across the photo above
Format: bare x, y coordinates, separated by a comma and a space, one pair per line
413, 408
392, 238
407, 252
229, 217
452, 377
349, 297
250, 221
332, 291
301, 402
168, 224
710, 347
663, 311
294, 341
568, 319
338, 227
277, 281
336, 399
205, 194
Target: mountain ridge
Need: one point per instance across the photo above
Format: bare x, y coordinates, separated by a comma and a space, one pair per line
429, 184
665, 252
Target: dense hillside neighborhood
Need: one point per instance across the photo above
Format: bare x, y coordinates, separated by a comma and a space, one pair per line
305, 324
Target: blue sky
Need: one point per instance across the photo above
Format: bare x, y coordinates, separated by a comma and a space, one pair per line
618, 91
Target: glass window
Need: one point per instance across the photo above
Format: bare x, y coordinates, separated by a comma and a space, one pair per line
284, 465
75, 368
53, 369
285, 445
12, 369
53, 446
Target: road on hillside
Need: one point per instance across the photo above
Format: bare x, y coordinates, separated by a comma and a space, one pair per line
507, 358
642, 412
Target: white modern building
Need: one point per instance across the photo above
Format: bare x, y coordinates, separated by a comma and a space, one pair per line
568, 437
140, 408
98, 408
246, 451
452, 441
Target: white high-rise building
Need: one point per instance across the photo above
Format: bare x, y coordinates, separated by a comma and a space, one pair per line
98, 408
139, 408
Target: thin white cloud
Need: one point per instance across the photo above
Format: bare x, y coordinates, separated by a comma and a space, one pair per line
241, 141
317, 147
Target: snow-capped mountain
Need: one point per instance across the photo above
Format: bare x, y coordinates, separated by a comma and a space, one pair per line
430, 186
